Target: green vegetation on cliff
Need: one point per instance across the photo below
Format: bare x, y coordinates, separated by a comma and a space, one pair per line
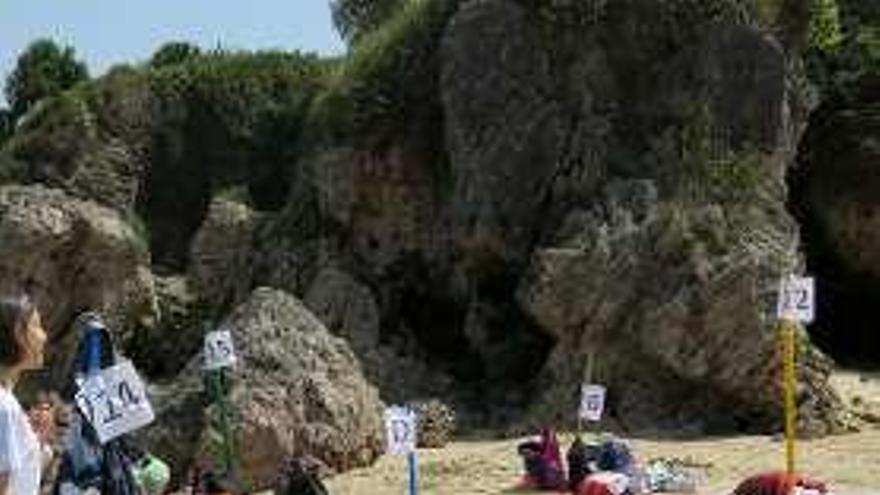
356, 18
390, 79
837, 67
44, 69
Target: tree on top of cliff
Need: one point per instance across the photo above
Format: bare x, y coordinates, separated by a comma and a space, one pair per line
355, 18
43, 69
173, 53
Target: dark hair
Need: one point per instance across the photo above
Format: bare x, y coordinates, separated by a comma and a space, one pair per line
14, 315
214, 483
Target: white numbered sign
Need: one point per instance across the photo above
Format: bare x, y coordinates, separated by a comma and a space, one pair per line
797, 299
592, 402
219, 350
400, 430
114, 401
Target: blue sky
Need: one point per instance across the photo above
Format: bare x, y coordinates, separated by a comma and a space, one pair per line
106, 32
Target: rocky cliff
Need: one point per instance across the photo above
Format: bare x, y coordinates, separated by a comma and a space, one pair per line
487, 194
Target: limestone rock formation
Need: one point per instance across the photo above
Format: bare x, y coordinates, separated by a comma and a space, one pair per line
73, 256
298, 391
642, 172
220, 253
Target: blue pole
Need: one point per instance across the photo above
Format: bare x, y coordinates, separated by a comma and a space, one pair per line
413, 474
93, 347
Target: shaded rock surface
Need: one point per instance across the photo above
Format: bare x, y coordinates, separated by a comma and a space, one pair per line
220, 253
163, 348
834, 194
349, 310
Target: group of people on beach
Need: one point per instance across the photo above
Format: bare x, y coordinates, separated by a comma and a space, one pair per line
609, 467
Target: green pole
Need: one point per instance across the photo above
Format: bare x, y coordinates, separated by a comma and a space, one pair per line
216, 379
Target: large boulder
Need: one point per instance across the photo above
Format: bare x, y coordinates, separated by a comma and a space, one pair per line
639, 174
680, 327
298, 391
72, 256
220, 252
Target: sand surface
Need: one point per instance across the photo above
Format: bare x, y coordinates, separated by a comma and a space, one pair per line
850, 463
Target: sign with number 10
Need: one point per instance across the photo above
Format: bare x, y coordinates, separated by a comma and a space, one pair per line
114, 401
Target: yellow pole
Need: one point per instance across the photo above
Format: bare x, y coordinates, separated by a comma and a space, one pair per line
789, 389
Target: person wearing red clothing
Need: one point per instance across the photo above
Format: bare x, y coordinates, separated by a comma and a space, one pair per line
543, 462
778, 483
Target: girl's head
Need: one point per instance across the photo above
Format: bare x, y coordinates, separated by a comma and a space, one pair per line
22, 337
47, 414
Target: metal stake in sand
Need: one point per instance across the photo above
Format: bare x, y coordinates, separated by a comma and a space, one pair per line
795, 304
219, 355
413, 474
789, 389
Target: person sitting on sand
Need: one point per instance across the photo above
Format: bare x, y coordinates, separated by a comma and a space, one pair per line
617, 474
543, 462
780, 483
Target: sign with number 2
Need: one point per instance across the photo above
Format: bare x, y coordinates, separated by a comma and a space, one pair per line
796, 299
